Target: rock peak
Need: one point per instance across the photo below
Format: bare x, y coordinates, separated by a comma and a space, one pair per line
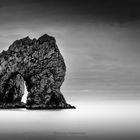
26, 38
46, 38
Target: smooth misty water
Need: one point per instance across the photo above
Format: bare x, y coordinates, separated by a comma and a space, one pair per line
97, 118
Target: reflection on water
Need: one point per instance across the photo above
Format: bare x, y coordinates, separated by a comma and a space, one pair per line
89, 119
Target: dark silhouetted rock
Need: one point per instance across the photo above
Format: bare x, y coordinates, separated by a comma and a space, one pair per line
41, 66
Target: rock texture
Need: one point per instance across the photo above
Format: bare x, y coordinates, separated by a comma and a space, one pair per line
40, 65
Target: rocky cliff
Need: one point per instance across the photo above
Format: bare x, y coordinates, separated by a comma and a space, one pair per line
40, 65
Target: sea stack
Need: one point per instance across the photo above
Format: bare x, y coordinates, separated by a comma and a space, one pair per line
39, 64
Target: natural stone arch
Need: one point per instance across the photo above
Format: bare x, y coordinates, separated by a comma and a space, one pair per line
40, 64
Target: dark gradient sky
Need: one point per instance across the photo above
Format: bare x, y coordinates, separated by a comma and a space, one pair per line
98, 39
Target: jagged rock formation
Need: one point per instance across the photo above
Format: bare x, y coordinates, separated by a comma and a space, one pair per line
41, 66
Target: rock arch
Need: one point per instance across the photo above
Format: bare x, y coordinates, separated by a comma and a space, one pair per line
40, 64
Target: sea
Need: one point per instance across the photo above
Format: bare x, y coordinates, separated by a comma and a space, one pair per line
91, 120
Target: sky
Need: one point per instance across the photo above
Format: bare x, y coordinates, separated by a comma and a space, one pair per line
99, 41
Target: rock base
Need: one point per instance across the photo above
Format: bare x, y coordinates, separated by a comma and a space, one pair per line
67, 106
33, 107
12, 105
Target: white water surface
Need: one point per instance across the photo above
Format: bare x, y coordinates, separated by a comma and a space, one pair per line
106, 117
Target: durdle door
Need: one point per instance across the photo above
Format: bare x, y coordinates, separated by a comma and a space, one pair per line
40, 65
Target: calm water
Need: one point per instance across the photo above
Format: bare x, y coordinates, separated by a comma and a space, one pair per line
90, 119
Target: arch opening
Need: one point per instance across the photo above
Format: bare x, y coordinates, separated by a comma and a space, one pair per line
25, 93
